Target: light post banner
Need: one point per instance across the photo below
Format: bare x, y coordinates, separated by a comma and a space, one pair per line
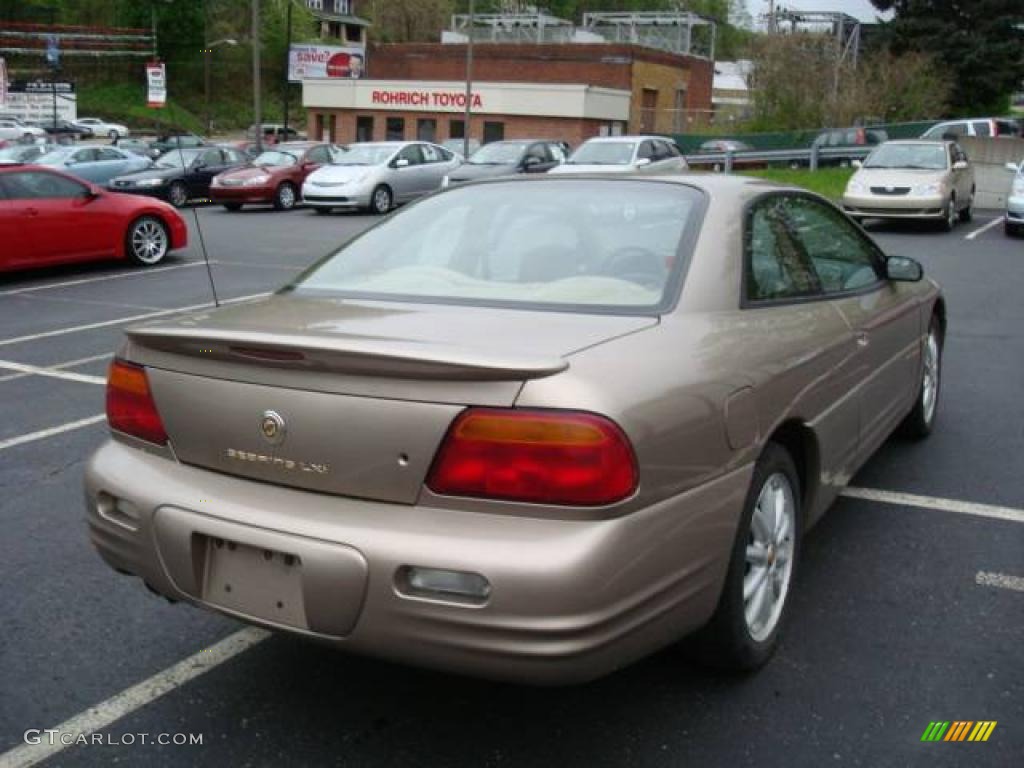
322, 62
156, 79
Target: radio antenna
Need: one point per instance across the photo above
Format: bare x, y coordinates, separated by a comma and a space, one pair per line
199, 229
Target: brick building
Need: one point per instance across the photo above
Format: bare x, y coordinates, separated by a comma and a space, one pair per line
570, 91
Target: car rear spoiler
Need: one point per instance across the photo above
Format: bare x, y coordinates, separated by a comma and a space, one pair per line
341, 354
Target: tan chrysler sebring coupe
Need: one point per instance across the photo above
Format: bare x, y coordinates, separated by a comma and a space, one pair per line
530, 429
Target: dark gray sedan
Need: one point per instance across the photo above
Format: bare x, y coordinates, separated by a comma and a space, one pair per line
501, 158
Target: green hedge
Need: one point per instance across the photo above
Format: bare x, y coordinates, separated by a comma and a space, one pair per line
690, 142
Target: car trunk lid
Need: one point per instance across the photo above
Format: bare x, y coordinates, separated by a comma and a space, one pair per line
357, 395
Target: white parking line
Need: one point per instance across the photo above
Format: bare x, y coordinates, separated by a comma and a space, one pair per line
61, 366
932, 502
983, 228
121, 320
100, 278
1002, 580
35, 370
134, 698
44, 433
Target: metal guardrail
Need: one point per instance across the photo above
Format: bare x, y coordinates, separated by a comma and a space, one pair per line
805, 157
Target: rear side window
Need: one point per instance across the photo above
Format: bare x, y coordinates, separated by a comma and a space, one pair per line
981, 128
843, 259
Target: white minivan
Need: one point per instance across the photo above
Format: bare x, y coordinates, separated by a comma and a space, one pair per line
973, 126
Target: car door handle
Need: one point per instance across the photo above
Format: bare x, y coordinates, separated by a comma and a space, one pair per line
862, 338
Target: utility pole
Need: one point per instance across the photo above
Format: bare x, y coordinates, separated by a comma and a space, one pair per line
287, 61
469, 82
256, 113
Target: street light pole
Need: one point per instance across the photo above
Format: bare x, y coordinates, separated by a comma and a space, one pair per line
469, 83
207, 53
256, 113
287, 62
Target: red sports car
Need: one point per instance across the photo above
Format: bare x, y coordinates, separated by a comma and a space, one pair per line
275, 176
48, 217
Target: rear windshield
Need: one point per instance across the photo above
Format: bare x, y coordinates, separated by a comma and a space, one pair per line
572, 244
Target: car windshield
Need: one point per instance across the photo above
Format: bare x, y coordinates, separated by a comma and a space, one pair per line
366, 154
177, 158
563, 244
930, 157
275, 157
498, 153
603, 153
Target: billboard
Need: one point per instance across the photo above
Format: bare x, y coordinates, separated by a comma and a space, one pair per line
156, 79
34, 99
322, 62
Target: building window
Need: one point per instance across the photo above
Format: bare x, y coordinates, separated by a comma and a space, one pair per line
493, 132
315, 5
648, 109
679, 116
364, 128
394, 129
456, 129
426, 129
343, 7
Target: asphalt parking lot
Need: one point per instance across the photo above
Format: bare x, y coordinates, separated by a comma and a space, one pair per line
909, 607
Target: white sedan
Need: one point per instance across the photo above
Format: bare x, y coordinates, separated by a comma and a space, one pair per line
102, 127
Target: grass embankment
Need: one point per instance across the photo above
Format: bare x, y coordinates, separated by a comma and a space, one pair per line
126, 103
828, 182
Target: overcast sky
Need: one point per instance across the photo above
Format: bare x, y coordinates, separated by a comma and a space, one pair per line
862, 9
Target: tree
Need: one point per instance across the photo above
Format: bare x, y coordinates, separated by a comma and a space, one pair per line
980, 44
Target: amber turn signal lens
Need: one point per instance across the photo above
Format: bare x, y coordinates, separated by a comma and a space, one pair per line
130, 406
543, 457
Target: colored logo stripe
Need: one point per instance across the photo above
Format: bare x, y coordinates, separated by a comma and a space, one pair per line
958, 730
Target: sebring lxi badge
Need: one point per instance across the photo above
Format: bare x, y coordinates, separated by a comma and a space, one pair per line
273, 430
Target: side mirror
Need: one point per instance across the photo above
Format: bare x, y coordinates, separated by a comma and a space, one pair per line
903, 269
960, 165
530, 161
1012, 167
857, 163
401, 163
643, 161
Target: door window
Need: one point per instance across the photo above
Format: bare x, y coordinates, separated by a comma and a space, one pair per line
778, 266
981, 128
38, 185
318, 155
411, 153
210, 157
843, 258
431, 154
84, 156
106, 153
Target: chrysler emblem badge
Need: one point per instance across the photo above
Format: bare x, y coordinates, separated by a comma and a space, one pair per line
272, 427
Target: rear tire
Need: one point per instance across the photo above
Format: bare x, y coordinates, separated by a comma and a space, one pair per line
284, 196
921, 420
147, 241
744, 631
233, 206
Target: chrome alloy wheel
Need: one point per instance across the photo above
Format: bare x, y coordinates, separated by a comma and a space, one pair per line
381, 200
148, 241
769, 561
286, 196
930, 378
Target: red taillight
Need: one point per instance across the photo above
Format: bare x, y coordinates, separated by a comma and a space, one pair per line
130, 406
544, 457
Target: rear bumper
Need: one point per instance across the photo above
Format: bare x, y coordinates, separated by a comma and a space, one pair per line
569, 600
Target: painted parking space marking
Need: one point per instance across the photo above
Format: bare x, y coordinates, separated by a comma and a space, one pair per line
1000, 580
42, 434
90, 302
61, 366
991, 511
226, 263
122, 320
99, 278
35, 370
134, 698
984, 228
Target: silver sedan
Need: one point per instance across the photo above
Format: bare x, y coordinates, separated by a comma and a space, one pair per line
377, 176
